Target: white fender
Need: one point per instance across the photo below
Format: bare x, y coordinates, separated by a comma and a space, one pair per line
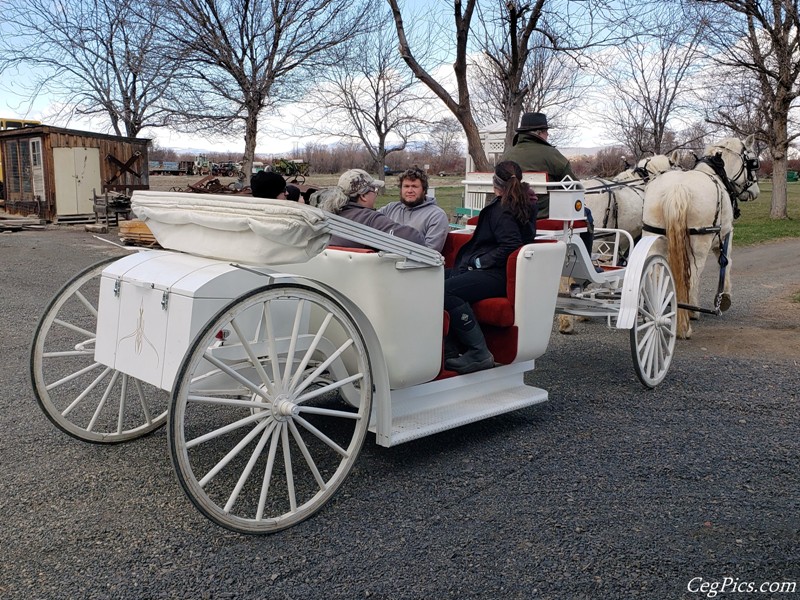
629, 303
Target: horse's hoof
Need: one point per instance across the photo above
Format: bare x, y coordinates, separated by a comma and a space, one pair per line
725, 302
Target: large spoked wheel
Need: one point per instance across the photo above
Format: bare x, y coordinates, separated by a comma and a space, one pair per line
270, 408
653, 335
82, 397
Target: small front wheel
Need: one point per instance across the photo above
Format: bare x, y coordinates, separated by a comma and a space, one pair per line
654, 333
270, 408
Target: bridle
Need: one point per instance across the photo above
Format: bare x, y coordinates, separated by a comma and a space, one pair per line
749, 168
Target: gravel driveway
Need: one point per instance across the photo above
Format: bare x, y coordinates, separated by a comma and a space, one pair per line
606, 491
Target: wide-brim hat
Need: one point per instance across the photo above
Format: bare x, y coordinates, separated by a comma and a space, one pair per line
356, 182
533, 122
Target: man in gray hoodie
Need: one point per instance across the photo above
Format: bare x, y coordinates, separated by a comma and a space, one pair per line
417, 210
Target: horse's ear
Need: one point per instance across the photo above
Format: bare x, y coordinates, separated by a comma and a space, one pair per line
749, 141
675, 157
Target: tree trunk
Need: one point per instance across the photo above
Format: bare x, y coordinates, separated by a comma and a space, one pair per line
251, 129
778, 207
779, 147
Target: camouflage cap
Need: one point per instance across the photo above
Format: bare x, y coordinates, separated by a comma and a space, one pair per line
356, 182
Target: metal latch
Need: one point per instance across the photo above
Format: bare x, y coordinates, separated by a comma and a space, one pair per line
117, 286
165, 300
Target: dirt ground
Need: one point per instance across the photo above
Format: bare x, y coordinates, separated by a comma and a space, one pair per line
764, 319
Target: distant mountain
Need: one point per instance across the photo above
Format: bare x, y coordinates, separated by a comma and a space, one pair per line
570, 152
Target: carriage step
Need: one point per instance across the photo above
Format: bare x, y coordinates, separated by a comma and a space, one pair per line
447, 403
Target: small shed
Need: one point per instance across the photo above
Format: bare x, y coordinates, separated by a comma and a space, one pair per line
52, 172
493, 139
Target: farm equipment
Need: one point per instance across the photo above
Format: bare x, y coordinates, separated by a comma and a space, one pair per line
294, 169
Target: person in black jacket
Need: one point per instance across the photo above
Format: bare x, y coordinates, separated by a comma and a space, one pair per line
505, 224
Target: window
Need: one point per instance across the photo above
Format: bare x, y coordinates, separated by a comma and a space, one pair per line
36, 152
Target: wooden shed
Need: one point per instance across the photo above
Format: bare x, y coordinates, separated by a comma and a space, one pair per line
51, 172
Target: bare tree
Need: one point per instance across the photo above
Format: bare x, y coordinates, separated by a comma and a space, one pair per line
525, 64
649, 78
245, 57
445, 143
370, 96
99, 57
459, 105
515, 21
760, 39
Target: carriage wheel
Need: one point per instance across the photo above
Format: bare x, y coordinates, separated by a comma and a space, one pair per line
270, 408
653, 335
82, 397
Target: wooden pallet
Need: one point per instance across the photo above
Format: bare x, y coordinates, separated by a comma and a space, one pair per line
136, 233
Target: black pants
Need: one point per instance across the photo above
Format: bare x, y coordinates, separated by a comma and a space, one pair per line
462, 289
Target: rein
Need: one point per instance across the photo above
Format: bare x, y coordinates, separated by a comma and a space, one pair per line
718, 166
612, 206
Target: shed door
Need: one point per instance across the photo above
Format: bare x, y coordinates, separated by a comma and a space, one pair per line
77, 173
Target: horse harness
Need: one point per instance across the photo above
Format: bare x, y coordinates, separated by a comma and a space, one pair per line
612, 206
749, 167
722, 182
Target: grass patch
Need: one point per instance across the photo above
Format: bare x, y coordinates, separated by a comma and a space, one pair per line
796, 297
755, 226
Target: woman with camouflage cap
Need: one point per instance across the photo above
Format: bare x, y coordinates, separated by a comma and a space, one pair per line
354, 198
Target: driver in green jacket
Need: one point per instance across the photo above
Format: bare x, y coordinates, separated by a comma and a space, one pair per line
532, 152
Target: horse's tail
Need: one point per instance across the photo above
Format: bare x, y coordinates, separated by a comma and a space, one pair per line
675, 203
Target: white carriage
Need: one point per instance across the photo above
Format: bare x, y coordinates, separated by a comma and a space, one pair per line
271, 356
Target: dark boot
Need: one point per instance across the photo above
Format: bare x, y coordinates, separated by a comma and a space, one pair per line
451, 347
476, 358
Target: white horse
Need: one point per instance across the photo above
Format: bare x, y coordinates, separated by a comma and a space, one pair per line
695, 210
616, 203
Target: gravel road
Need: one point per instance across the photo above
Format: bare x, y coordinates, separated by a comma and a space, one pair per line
606, 491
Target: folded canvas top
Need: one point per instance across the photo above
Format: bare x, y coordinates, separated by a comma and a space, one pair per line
256, 230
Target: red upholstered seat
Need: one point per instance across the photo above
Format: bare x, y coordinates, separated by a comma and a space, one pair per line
555, 225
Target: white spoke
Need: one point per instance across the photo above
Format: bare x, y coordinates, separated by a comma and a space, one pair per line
143, 401
67, 353
226, 429
227, 402
273, 350
321, 436
253, 358
103, 400
262, 499
86, 303
313, 410
287, 463
310, 352
307, 455
75, 375
86, 392
235, 376
75, 328
329, 388
293, 341
321, 368
234, 452
122, 398
249, 467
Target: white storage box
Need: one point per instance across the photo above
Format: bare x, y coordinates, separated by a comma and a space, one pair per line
566, 205
152, 304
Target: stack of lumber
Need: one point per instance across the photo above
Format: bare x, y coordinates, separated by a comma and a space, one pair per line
136, 233
20, 223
